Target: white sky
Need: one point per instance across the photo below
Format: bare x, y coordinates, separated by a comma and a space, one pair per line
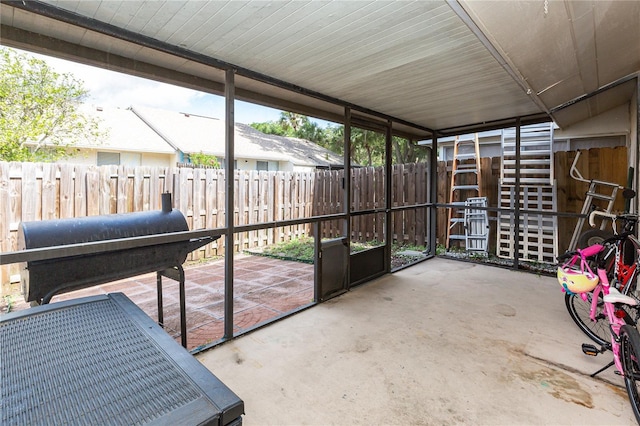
109, 88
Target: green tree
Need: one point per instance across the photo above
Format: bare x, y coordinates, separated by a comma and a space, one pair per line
299, 126
292, 122
367, 147
333, 139
270, 128
39, 117
406, 151
202, 159
291, 125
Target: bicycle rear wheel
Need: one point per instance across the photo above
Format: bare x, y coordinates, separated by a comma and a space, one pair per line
629, 352
580, 310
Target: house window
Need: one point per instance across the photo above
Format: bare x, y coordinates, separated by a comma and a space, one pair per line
130, 159
267, 166
108, 158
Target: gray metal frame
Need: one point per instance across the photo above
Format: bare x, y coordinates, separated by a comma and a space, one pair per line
229, 95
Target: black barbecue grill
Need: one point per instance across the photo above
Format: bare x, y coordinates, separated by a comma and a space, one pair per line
42, 279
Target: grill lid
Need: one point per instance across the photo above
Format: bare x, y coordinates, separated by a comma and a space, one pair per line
43, 278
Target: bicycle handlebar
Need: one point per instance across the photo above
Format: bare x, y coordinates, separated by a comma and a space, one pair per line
629, 221
595, 213
566, 256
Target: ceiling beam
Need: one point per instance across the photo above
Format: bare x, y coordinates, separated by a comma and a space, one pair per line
495, 124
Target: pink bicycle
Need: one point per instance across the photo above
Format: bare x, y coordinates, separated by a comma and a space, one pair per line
575, 276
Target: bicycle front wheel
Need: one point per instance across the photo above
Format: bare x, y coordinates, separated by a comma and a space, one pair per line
580, 310
629, 352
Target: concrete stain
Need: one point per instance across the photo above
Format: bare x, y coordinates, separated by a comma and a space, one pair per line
560, 385
618, 390
238, 359
362, 346
506, 310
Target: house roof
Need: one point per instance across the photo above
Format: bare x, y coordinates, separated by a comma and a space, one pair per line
144, 129
124, 131
191, 133
454, 66
300, 151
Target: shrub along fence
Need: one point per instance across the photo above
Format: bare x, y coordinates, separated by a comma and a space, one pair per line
40, 191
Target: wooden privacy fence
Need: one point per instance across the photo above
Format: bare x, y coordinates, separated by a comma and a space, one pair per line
604, 164
42, 191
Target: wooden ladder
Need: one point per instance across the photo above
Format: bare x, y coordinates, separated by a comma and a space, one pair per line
465, 183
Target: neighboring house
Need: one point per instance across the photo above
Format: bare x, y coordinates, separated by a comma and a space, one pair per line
156, 137
608, 129
129, 141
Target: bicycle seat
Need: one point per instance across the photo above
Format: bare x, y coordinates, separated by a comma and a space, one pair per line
615, 296
628, 193
591, 250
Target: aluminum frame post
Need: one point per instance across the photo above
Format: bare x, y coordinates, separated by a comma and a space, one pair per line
229, 96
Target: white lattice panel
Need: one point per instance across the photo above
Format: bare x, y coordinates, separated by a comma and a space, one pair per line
537, 239
536, 155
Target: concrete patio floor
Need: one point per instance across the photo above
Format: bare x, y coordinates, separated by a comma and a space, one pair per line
443, 342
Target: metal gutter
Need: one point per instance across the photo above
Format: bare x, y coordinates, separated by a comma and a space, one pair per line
602, 89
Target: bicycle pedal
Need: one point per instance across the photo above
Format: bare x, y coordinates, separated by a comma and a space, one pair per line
590, 350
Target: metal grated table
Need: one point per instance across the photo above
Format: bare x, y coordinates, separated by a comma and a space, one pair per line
102, 360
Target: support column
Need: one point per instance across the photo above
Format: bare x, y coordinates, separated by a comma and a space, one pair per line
388, 165
347, 187
433, 195
229, 95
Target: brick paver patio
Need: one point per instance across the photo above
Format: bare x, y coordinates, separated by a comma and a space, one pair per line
264, 289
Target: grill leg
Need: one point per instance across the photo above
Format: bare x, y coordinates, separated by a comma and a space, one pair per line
183, 309
176, 273
160, 309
